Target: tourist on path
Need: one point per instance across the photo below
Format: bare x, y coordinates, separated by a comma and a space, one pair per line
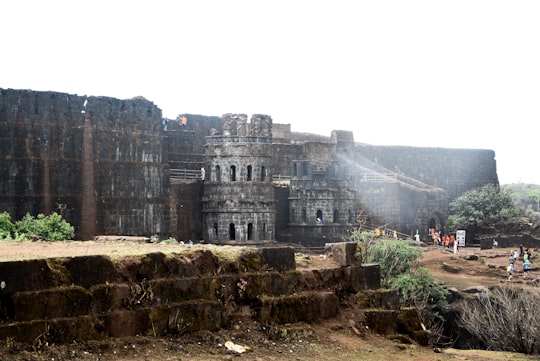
526, 269
510, 270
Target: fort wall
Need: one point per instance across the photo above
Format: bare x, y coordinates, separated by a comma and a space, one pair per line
454, 170
71, 154
112, 166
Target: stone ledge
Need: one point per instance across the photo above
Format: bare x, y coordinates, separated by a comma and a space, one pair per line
305, 306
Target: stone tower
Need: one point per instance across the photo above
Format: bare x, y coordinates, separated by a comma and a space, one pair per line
238, 193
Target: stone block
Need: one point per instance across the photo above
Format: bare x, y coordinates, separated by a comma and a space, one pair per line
300, 307
410, 323
381, 298
52, 303
176, 290
279, 259
344, 253
28, 275
382, 322
127, 323
364, 277
486, 244
109, 297
88, 271
185, 317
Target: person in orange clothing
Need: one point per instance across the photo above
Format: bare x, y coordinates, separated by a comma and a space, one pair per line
435, 238
446, 241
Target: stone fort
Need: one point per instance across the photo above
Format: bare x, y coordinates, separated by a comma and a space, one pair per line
117, 167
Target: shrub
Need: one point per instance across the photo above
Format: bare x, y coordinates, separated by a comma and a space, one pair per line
365, 239
50, 228
394, 258
398, 261
418, 288
170, 240
503, 319
6, 227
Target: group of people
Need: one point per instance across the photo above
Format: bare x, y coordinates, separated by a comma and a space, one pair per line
524, 254
445, 240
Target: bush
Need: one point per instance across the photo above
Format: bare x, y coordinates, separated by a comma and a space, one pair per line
170, 240
6, 227
504, 319
365, 239
394, 258
418, 288
399, 264
50, 228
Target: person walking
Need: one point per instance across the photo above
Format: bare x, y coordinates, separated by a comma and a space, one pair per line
526, 269
512, 259
510, 270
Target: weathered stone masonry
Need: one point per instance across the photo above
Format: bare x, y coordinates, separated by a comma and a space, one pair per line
170, 294
54, 157
118, 168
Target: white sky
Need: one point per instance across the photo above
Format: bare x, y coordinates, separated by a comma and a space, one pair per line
452, 74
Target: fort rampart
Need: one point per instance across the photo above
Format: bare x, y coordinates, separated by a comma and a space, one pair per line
111, 166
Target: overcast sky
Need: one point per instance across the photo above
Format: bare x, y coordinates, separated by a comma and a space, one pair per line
452, 74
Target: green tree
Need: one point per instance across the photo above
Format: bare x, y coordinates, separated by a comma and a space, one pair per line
487, 204
527, 198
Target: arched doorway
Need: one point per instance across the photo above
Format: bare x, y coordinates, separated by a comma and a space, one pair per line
232, 232
250, 231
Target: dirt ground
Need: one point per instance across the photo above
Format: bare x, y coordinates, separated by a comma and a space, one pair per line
471, 266
334, 339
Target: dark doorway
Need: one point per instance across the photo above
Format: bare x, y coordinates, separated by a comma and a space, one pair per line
250, 231
232, 232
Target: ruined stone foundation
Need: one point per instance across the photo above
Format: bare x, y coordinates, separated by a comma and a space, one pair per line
61, 300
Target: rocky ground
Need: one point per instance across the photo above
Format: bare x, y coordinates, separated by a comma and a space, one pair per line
334, 339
